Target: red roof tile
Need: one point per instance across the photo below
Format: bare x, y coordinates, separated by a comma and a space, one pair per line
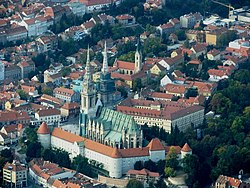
43, 129
186, 148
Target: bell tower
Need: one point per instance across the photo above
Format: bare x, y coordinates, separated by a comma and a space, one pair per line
88, 94
138, 58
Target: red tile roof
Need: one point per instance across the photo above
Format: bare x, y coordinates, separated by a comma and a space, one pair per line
43, 129
124, 65
67, 136
155, 145
48, 112
144, 172
186, 148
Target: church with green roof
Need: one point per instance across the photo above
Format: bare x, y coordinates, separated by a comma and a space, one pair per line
100, 123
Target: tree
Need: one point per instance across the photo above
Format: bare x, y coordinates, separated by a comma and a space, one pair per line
47, 90
81, 165
66, 71
170, 172
33, 150
138, 165
150, 29
180, 34
137, 84
154, 46
130, 57
133, 183
150, 165
225, 38
191, 167
172, 159
22, 94
31, 134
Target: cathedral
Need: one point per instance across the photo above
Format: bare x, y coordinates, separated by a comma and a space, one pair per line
100, 123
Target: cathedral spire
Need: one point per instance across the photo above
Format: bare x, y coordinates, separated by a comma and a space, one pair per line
105, 60
87, 75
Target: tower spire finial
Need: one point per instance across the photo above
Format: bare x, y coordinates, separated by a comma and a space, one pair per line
105, 60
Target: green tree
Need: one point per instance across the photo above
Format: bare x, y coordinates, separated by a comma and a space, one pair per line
31, 134
81, 165
22, 94
65, 71
133, 183
170, 172
225, 38
138, 165
181, 34
172, 159
47, 90
191, 167
137, 84
130, 57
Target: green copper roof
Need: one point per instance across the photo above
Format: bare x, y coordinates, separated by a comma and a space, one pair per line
118, 121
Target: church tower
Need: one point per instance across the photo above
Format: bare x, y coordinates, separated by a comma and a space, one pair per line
88, 94
106, 85
138, 58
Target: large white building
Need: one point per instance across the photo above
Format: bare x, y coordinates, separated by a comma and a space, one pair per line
116, 161
165, 114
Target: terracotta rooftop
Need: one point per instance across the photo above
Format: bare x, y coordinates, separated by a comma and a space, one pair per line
124, 65
15, 166
43, 129
67, 136
186, 148
144, 172
155, 145
72, 105
49, 112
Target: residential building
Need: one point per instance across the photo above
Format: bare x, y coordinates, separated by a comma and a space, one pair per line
239, 47
35, 26
213, 35
125, 19
214, 55
96, 6
52, 175
15, 175
223, 72
12, 117
143, 175
26, 68
47, 43
77, 8
196, 35
13, 132
12, 72
165, 114
30, 90
50, 116
16, 34
70, 110
189, 20
66, 95
199, 49
227, 182
170, 27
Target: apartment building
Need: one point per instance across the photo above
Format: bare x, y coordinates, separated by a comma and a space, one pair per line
15, 175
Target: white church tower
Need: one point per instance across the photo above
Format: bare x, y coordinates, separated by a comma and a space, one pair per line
1, 70
138, 58
88, 94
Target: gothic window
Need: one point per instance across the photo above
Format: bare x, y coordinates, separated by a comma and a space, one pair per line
84, 101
